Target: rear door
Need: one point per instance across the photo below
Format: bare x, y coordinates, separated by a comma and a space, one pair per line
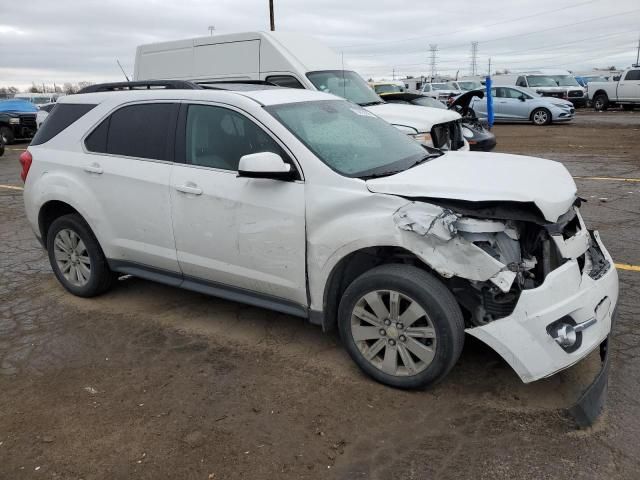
238, 234
128, 169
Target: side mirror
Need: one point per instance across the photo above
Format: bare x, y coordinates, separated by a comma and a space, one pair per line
265, 165
522, 98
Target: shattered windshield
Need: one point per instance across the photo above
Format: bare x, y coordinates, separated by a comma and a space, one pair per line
345, 84
539, 81
348, 138
466, 86
566, 81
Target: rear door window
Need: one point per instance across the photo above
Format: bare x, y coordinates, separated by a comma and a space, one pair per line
63, 115
141, 131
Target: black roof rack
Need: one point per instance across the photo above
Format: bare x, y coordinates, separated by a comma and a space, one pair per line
176, 85
141, 85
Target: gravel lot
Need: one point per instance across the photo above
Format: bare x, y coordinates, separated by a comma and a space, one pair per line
153, 382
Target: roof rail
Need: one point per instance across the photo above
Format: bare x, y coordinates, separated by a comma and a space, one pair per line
141, 85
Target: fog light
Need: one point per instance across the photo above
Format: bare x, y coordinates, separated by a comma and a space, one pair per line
566, 336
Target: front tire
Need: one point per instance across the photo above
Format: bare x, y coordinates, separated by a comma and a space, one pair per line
601, 102
541, 116
7, 135
76, 257
401, 326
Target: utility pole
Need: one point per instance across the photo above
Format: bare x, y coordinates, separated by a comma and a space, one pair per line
638, 54
489, 66
212, 29
394, 73
474, 58
273, 22
433, 48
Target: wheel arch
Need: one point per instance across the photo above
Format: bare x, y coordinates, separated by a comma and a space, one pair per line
49, 212
354, 264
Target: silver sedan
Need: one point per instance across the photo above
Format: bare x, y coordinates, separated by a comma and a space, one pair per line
517, 104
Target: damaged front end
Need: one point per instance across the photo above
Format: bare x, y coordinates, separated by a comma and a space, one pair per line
541, 294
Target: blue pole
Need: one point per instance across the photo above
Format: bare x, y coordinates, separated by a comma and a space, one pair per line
489, 102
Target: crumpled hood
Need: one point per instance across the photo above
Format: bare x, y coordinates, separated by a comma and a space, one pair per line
415, 116
478, 177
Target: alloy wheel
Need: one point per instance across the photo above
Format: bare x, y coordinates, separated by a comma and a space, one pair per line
393, 333
72, 257
540, 117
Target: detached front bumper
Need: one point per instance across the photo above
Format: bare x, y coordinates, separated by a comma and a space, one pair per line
523, 338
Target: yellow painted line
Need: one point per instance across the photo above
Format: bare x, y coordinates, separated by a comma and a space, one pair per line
614, 179
12, 187
626, 266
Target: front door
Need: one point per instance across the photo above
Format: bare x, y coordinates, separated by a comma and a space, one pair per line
242, 233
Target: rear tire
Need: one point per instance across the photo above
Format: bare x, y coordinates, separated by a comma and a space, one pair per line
601, 102
541, 116
7, 135
421, 320
76, 257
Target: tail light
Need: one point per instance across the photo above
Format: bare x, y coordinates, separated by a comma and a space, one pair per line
25, 161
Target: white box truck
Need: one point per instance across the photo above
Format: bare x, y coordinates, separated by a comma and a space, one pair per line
290, 60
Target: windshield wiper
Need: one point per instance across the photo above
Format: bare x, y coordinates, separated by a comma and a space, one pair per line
381, 174
388, 173
369, 104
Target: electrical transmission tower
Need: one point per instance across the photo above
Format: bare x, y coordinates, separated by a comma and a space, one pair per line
474, 58
433, 48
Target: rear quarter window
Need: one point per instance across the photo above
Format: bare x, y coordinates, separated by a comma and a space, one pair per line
63, 115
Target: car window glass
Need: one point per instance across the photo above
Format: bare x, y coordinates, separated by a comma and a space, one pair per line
140, 131
521, 82
512, 93
288, 81
60, 118
217, 137
632, 75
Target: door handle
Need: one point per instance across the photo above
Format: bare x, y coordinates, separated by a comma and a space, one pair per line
93, 168
193, 189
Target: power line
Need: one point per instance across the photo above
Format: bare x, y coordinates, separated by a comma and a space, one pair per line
465, 30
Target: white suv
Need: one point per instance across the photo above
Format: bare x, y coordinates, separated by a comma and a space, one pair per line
307, 204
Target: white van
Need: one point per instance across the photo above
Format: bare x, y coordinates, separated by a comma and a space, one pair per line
290, 60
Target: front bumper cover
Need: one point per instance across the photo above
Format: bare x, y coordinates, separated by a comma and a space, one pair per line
522, 338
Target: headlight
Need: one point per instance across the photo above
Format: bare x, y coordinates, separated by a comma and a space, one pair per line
422, 137
14, 121
467, 132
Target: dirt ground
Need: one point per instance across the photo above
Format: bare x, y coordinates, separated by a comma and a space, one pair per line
153, 382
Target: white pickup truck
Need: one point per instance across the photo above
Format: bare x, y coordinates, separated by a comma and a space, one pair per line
625, 92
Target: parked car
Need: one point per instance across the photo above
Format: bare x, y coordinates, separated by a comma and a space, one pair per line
440, 91
625, 92
288, 60
388, 87
43, 112
584, 80
547, 85
474, 131
307, 204
1, 146
514, 104
17, 120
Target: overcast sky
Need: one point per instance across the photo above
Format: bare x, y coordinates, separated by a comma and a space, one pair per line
74, 40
